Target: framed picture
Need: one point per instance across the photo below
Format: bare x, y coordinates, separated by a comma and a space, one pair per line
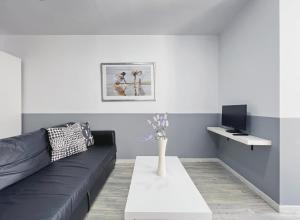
128, 81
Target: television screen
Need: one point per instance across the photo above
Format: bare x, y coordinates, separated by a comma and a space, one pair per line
234, 116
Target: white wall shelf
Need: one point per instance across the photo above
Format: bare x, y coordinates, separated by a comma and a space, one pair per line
247, 140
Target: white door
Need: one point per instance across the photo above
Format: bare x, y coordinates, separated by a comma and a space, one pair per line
10, 95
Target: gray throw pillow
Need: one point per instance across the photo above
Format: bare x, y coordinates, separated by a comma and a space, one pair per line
87, 134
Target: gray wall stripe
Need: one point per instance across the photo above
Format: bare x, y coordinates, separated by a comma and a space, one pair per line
289, 161
187, 132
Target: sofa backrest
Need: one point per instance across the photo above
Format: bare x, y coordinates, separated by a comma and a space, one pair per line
22, 156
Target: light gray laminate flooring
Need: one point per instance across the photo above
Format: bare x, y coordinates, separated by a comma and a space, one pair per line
226, 195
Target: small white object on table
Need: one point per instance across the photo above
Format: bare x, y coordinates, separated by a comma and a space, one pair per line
172, 197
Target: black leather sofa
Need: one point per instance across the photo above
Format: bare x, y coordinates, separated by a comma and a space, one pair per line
33, 188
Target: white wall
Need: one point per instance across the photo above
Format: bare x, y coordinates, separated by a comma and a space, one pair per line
249, 59
10, 95
289, 58
62, 73
289, 102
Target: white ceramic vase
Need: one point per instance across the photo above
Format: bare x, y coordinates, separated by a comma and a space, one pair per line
162, 144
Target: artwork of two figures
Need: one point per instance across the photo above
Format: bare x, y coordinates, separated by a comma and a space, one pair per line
128, 81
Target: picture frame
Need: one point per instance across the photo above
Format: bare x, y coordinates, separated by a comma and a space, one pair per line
128, 81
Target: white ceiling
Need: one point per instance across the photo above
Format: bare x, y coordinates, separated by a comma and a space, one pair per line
116, 16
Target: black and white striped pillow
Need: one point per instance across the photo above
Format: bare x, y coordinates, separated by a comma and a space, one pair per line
66, 141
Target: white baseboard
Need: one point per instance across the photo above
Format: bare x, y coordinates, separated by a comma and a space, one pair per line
122, 161
199, 160
290, 209
285, 209
264, 196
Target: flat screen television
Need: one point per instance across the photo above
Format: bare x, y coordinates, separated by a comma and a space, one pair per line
234, 116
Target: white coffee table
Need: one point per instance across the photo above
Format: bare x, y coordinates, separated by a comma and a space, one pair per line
166, 198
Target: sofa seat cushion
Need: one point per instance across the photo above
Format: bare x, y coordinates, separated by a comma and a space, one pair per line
56, 191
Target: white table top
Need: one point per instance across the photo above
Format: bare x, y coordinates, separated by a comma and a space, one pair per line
171, 197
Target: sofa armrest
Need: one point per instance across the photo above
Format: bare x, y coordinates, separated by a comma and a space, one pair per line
104, 137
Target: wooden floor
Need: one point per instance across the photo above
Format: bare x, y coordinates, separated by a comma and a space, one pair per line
227, 196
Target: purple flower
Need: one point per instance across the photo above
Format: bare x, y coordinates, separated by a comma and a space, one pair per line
148, 137
159, 124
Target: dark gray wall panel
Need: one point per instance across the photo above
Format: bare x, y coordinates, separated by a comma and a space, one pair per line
187, 132
260, 166
289, 161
